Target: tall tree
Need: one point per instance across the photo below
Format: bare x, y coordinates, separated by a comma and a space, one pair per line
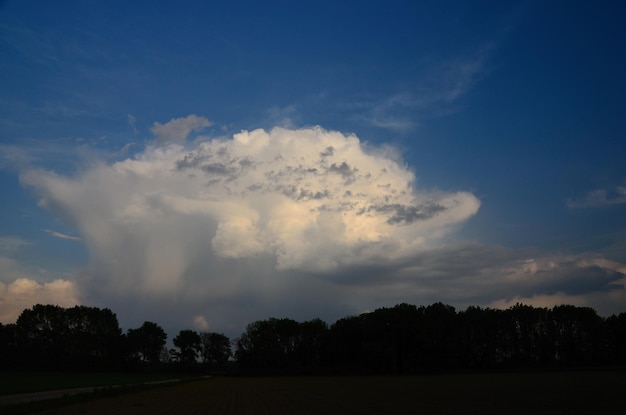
77, 337
580, 335
10, 353
312, 342
346, 337
94, 335
188, 342
41, 332
440, 340
269, 345
146, 342
616, 337
215, 349
481, 337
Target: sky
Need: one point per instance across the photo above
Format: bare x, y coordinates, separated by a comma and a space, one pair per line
204, 165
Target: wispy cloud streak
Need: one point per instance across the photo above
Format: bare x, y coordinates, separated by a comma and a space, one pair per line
61, 235
434, 94
600, 198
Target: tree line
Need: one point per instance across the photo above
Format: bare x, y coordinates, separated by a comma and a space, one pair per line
49, 337
404, 339
407, 339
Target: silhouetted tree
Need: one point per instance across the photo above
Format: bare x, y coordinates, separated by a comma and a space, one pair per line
345, 342
386, 334
401, 339
616, 337
402, 325
439, 337
215, 349
188, 343
269, 345
41, 332
78, 337
311, 344
580, 336
10, 353
481, 338
94, 336
146, 342
530, 335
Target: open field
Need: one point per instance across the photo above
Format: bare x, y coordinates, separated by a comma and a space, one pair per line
28, 382
590, 392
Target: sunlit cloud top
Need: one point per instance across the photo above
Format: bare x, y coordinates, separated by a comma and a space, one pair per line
309, 199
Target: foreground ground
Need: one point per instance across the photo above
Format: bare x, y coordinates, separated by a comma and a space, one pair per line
18, 382
584, 392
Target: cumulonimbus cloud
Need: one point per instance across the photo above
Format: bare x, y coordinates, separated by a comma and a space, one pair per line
304, 200
279, 222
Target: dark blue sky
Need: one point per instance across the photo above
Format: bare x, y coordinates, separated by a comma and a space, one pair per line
511, 112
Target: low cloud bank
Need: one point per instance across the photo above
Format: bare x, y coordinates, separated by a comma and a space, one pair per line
23, 293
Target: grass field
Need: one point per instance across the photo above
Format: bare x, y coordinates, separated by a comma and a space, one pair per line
590, 392
24, 382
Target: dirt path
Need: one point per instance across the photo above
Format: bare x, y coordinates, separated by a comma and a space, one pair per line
55, 394
41, 396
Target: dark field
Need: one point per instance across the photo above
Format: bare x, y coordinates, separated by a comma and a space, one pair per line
581, 392
25, 382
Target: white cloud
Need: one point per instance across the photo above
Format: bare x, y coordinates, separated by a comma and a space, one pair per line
311, 199
19, 289
200, 323
226, 216
23, 293
178, 129
299, 223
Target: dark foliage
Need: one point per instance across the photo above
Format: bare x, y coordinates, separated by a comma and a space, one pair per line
404, 339
53, 337
281, 345
144, 344
214, 350
188, 342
